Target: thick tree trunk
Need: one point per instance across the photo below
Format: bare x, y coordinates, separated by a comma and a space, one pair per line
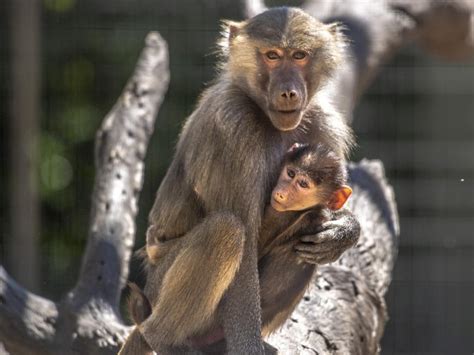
344, 311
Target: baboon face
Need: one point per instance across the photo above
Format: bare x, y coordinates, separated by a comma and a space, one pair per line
295, 191
282, 83
312, 175
280, 58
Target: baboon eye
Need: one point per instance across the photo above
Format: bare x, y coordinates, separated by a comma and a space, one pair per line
272, 55
298, 55
291, 173
303, 184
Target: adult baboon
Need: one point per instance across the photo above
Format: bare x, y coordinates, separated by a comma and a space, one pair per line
226, 162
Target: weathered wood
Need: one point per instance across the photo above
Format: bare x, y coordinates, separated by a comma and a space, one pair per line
377, 29
87, 321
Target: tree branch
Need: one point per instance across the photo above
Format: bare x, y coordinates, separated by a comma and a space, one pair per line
26, 321
377, 29
87, 321
121, 145
443, 27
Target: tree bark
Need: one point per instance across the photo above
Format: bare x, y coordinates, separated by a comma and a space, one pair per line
87, 320
344, 310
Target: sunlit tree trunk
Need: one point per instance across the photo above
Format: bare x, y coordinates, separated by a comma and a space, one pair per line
24, 126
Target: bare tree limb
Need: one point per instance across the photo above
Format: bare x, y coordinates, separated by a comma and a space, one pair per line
443, 27
377, 29
87, 321
26, 321
121, 145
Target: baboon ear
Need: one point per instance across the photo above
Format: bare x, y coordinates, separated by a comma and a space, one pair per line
336, 47
335, 28
339, 197
233, 28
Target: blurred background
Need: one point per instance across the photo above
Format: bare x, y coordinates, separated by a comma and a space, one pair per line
63, 63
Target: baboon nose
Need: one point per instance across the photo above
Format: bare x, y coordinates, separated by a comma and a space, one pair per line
289, 95
279, 197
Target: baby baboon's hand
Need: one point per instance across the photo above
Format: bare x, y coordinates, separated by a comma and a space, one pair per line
331, 239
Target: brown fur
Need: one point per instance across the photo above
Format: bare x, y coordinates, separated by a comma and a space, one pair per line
283, 277
211, 201
188, 277
138, 304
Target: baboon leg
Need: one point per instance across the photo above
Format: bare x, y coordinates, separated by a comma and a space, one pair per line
206, 264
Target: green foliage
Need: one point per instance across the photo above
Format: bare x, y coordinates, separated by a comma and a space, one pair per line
55, 170
59, 5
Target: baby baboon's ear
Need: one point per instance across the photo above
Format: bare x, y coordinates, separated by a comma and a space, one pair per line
339, 197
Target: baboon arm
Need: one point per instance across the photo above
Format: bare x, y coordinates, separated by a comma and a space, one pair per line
333, 238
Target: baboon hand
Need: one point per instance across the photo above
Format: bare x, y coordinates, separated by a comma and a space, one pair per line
330, 240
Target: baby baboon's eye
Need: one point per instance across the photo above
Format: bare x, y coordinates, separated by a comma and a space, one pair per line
298, 55
291, 173
272, 55
303, 184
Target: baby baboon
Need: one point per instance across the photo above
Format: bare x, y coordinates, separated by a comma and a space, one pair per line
311, 190
226, 161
